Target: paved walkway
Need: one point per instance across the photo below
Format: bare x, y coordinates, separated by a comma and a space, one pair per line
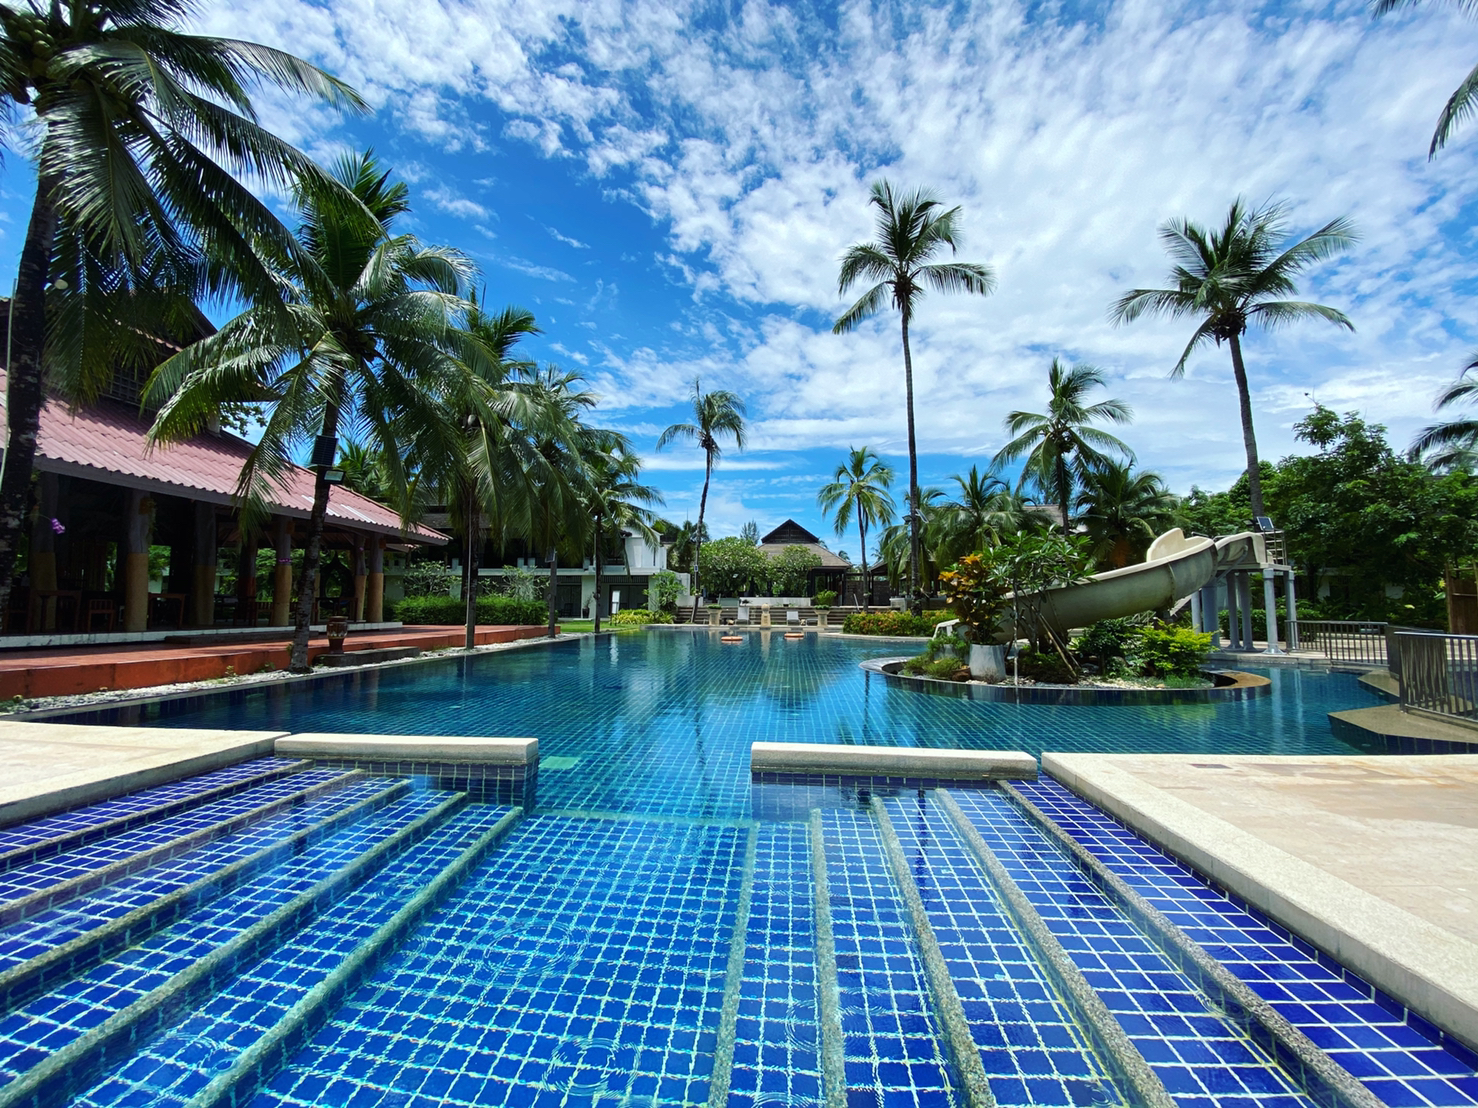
1373, 859
67, 671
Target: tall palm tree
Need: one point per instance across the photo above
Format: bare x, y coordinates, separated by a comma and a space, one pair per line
618, 502
910, 230
139, 131
896, 545
1232, 277
985, 510
684, 543
860, 488
1122, 512
717, 415
362, 346
1060, 445
1463, 102
1453, 443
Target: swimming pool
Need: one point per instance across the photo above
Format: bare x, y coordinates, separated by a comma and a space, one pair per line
639, 936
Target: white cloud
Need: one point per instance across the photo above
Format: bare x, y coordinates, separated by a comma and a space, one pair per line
453, 203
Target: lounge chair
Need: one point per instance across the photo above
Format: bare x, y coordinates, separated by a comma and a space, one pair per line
742, 619
793, 615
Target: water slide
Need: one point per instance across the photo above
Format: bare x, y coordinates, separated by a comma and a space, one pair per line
1175, 567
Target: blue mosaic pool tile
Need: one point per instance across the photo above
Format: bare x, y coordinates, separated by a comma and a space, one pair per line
40, 875
80, 1003
1388, 1052
178, 1063
1194, 1049
775, 1052
892, 1043
35, 935
585, 960
140, 805
1030, 1045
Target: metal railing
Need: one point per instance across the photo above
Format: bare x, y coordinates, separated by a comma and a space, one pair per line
1439, 674
1345, 640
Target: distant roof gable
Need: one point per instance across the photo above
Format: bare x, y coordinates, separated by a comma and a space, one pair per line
789, 533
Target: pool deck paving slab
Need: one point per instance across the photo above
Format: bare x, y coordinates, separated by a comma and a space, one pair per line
1372, 859
45, 767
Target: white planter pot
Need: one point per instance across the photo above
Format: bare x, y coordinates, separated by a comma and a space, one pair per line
988, 662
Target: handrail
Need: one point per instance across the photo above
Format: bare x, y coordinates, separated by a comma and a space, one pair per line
1345, 640
1439, 674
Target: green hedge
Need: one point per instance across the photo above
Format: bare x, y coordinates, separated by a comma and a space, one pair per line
434, 610
638, 617
888, 623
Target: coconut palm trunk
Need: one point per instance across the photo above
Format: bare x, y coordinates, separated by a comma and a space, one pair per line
597, 574
473, 519
308, 581
551, 594
866, 575
915, 598
1249, 439
698, 535
25, 343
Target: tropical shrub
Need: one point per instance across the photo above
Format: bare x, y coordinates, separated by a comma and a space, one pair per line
790, 570
637, 617
947, 668
732, 567
663, 589
522, 583
434, 610
1169, 652
425, 579
825, 598
887, 623
1045, 666
976, 588
1107, 641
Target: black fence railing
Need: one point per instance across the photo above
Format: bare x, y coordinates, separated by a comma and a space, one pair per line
1345, 640
1439, 674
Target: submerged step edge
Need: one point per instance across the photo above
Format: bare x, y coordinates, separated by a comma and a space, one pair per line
21, 982
81, 1060
275, 1049
723, 1054
1123, 1058
23, 907
963, 1050
910, 762
1321, 1076
828, 991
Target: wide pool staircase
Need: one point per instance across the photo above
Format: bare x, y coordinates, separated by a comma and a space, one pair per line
277, 933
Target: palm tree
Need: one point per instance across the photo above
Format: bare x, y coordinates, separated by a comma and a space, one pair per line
1123, 511
1452, 444
910, 231
685, 541
860, 487
1464, 100
362, 345
716, 415
1060, 445
1230, 278
139, 130
896, 545
618, 502
986, 510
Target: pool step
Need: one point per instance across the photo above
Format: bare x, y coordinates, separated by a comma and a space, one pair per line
35, 886
1395, 1060
219, 1052
69, 1034
69, 940
890, 1050
1191, 1041
30, 842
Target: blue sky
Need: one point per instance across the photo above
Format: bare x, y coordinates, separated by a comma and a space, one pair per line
668, 185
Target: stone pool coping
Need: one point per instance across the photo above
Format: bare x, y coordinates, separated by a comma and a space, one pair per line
410, 748
1370, 859
787, 761
1241, 686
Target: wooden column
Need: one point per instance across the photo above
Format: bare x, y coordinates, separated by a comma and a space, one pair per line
282, 575
356, 609
203, 572
43, 546
138, 530
374, 607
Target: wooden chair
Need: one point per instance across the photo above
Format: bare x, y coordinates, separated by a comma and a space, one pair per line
100, 608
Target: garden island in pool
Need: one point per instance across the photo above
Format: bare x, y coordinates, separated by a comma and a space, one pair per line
643, 922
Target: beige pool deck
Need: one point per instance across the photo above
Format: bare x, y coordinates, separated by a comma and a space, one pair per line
1374, 859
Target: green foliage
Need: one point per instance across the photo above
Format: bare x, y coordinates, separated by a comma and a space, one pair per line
732, 567
638, 617
946, 668
1169, 652
1029, 565
790, 570
888, 623
825, 598
437, 610
976, 588
1045, 666
663, 589
522, 583
1107, 640
427, 579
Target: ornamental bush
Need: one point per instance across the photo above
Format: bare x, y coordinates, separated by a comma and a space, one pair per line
887, 623
437, 610
825, 598
638, 617
1169, 652
732, 567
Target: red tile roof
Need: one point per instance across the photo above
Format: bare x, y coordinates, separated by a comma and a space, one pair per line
106, 443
